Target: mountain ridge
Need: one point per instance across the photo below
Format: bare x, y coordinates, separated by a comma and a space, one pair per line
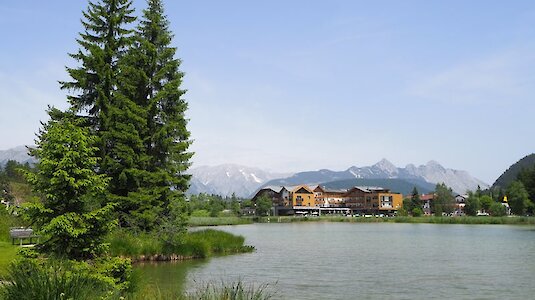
244, 181
432, 172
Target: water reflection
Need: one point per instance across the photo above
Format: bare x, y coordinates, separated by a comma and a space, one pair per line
166, 276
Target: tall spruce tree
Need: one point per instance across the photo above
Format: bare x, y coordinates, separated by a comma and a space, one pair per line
102, 44
154, 81
128, 85
115, 118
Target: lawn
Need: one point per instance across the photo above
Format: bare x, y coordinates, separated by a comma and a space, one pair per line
7, 254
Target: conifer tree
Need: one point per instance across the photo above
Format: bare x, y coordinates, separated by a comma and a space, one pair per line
69, 213
115, 119
102, 44
128, 85
154, 80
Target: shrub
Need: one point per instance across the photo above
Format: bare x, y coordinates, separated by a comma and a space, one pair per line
497, 209
42, 279
417, 212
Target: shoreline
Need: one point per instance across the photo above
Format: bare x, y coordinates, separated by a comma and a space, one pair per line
483, 220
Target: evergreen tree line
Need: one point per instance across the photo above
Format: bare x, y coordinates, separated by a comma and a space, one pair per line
119, 153
206, 205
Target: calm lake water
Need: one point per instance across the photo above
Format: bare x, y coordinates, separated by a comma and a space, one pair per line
371, 261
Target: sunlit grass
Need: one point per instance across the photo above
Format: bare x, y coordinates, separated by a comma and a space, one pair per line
215, 221
8, 253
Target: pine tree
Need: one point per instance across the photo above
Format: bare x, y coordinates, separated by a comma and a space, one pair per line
103, 43
154, 81
415, 200
128, 84
116, 119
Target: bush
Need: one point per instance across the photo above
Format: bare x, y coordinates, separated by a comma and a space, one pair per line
497, 209
42, 279
417, 212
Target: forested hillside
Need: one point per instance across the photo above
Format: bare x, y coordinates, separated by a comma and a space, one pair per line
512, 172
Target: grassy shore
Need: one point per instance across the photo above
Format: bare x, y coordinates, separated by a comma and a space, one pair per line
217, 221
197, 244
423, 219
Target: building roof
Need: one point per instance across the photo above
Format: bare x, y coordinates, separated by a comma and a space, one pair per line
302, 187
426, 197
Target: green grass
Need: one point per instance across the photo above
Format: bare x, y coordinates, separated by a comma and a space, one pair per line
215, 221
8, 253
198, 244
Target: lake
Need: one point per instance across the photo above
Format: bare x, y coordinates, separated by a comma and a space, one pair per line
371, 261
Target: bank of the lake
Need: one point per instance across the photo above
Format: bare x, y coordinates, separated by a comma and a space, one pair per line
324, 260
506, 220
191, 245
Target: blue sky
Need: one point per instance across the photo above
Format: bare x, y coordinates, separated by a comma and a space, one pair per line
304, 85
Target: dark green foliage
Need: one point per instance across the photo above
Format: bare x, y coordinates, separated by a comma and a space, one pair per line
518, 198
472, 204
511, 174
527, 177
413, 204
214, 205
263, 205
102, 44
116, 119
417, 212
14, 171
444, 202
497, 209
129, 83
70, 213
153, 80
486, 202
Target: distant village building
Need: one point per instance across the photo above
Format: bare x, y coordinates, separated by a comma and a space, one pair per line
319, 200
460, 202
427, 199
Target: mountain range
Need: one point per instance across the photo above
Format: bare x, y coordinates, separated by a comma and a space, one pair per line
244, 181
423, 175
229, 179
19, 154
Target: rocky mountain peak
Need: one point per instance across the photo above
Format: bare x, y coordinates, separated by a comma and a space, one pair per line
386, 166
